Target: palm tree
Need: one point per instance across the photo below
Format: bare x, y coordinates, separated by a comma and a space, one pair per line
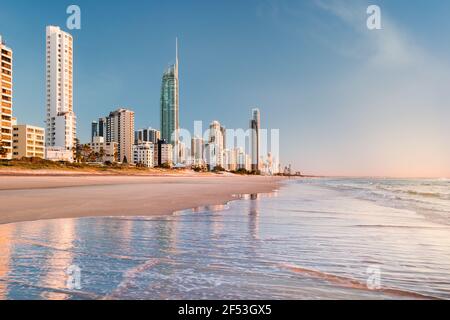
101, 154
86, 152
3, 150
76, 149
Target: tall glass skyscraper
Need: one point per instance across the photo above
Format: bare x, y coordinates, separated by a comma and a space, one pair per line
94, 130
170, 103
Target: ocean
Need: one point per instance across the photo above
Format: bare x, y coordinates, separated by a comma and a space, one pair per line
311, 239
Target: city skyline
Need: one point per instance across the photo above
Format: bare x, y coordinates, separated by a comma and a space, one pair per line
355, 136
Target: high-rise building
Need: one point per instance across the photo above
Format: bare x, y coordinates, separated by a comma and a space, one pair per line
230, 159
223, 131
255, 126
6, 94
215, 145
170, 103
94, 130
182, 153
147, 135
61, 119
28, 142
240, 158
153, 135
120, 129
197, 145
102, 127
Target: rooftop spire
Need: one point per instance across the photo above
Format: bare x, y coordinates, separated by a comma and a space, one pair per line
176, 55
176, 50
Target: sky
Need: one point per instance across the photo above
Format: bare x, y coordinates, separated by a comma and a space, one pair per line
347, 100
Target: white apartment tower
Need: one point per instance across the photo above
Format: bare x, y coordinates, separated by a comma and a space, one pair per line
215, 145
61, 120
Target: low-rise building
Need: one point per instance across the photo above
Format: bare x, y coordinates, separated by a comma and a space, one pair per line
165, 153
144, 154
107, 151
58, 154
28, 141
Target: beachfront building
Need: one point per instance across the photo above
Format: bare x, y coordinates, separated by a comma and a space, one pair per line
28, 142
215, 147
94, 130
60, 119
164, 153
147, 135
98, 128
243, 160
106, 151
255, 126
144, 154
120, 129
240, 158
183, 154
270, 166
170, 103
58, 154
6, 95
230, 159
102, 127
197, 147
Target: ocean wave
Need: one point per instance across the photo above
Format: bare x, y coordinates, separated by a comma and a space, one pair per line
425, 197
129, 278
350, 283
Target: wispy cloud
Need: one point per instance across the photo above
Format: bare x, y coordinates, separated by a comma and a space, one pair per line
389, 46
397, 94
391, 100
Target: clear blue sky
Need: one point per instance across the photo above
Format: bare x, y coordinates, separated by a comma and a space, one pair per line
347, 101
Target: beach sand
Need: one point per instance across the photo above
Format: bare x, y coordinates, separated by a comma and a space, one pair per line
36, 197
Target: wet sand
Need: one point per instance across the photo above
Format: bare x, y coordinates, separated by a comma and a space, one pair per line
29, 198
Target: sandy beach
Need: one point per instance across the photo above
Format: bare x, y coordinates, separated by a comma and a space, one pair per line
36, 197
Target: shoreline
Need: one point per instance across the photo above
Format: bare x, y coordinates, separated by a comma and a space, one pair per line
31, 198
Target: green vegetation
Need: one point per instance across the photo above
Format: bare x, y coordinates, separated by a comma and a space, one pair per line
83, 153
3, 150
218, 169
165, 166
37, 163
200, 168
241, 171
107, 167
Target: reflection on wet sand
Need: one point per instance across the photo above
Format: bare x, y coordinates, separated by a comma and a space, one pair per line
6, 232
253, 223
290, 247
62, 232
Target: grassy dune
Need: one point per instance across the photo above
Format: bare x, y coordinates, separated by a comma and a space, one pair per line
35, 165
